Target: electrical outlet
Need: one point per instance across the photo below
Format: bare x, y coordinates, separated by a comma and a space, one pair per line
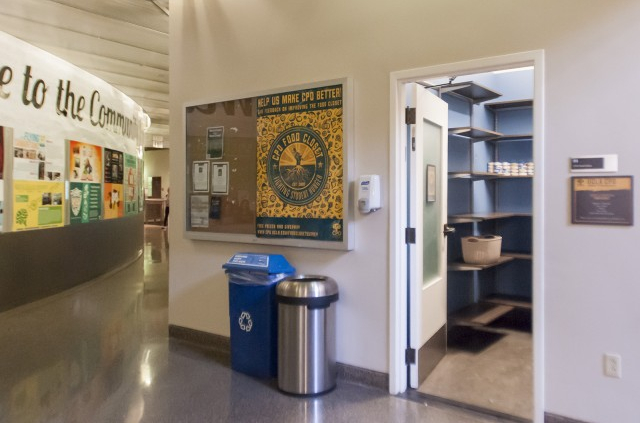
613, 365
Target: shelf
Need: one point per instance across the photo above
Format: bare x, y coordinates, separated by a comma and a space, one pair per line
476, 134
471, 176
488, 175
519, 256
483, 176
479, 314
507, 300
467, 267
481, 217
473, 92
511, 137
509, 105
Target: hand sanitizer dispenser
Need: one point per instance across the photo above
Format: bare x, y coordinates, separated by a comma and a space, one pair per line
368, 193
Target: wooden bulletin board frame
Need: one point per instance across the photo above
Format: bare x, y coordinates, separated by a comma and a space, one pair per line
289, 159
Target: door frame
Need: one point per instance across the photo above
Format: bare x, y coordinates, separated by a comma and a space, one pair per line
398, 271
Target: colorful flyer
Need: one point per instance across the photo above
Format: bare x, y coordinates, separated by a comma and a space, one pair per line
113, 199
130, 184
37, 205
113, 166
37, 158
300, 165
85, 202
85, 177
85, 162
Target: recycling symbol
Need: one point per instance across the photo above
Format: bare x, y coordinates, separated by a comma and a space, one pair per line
245, 321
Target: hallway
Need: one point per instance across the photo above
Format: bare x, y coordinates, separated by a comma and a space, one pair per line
100, 352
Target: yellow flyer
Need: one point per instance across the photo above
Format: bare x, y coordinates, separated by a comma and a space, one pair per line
37, 205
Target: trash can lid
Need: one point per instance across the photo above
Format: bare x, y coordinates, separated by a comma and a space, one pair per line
307, 286
267, 263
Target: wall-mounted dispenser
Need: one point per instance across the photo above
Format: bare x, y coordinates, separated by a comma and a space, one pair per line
369, 193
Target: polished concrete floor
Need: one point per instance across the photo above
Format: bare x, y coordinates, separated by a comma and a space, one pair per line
101, 353
488, 367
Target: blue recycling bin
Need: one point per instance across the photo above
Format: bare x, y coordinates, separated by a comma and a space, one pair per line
253, 311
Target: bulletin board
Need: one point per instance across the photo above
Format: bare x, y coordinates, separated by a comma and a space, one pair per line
272, 167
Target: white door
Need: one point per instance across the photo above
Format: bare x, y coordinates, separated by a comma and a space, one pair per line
428, 215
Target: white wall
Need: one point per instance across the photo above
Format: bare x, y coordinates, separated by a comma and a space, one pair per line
156, 163
227, 49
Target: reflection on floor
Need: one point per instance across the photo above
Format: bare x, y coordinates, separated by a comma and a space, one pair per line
490, 367
100, 353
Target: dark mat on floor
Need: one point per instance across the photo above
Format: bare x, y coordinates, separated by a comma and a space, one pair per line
470, 339
518, 319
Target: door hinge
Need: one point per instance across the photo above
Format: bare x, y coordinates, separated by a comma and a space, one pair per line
413, 143
410, 235
410, 115
410, 356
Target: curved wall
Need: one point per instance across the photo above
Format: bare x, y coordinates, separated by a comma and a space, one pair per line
36, 264
70, 175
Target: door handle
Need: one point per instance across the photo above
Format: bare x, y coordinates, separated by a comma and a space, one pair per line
448, 230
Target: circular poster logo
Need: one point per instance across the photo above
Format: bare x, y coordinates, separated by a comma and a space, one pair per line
297, 165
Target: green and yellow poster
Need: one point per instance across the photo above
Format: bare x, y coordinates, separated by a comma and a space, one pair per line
130, 184
300, 165
37, 205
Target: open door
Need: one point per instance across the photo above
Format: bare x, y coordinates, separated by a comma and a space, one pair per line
427, 196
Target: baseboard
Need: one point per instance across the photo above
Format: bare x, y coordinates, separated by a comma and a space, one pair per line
554, 418
362, 376
222, 344
203, 339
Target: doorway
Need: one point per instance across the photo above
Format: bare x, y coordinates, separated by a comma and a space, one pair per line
477, 334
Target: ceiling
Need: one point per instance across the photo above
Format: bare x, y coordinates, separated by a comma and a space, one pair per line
124, 42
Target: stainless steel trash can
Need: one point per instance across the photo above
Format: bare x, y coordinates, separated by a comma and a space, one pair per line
306, 334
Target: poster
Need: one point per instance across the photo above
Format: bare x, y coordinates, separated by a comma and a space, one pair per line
37, 204
199, 211
300, 165
113, 206
130, 184
200, 176
602, 200
37, 158
220, 178
85, 162
85, 177
1, 175
85, 202
215, 142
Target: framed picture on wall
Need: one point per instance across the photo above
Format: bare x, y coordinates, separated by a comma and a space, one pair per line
431, 183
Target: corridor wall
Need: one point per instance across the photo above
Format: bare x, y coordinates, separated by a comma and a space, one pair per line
223, 49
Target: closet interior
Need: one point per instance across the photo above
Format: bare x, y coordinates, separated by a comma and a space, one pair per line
488, 363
